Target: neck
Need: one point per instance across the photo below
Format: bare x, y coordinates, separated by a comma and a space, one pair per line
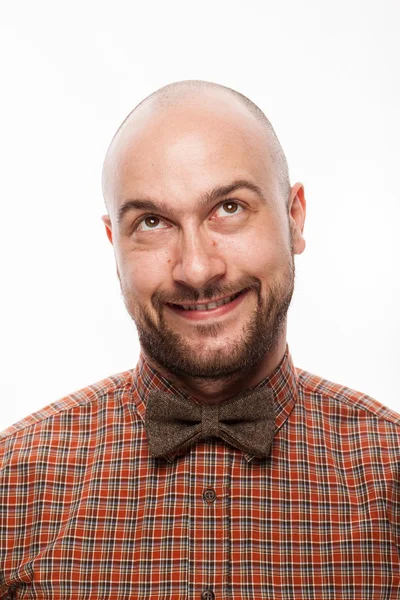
215, 391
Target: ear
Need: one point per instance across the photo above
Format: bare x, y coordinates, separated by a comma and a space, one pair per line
297, 215
107, 222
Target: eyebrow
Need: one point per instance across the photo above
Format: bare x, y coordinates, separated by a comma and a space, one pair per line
204, 200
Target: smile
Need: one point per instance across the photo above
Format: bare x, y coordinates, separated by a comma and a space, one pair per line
209, 305
216, 308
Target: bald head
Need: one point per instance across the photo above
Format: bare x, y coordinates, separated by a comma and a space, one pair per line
200, 104
200, 210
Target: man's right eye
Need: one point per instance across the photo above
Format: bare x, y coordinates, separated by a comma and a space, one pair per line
150, 222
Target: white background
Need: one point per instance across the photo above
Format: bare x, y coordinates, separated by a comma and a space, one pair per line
327, 76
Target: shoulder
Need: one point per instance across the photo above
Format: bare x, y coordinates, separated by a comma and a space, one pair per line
85, 401
331, 397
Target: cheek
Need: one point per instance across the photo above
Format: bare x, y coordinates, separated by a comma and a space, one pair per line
143, 273
259, 252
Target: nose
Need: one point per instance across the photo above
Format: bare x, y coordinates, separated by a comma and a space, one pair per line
199, 262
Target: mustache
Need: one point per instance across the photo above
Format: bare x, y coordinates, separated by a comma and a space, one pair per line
186, 295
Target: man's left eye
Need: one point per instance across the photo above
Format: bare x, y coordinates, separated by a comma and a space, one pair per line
229, 208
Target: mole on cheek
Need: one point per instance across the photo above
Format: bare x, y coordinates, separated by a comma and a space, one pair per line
214, 243
169, 260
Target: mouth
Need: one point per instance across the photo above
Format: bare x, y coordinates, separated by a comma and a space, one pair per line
204, 310
209, 305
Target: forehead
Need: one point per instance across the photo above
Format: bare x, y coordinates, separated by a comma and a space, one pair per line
180, 152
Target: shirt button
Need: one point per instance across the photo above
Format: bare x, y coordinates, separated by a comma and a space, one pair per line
209, 496
207, 595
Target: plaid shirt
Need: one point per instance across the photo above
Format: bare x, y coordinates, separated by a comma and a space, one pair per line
86, 513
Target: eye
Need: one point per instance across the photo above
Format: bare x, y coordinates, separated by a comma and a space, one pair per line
229, 208
150, 222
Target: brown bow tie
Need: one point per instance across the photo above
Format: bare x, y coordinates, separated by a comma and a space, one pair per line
246, 421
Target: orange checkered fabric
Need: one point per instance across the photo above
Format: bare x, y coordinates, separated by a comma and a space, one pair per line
87, 513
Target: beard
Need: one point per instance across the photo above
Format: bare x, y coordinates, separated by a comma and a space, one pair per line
170, 350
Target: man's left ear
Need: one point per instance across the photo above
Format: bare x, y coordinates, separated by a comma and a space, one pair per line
297, 215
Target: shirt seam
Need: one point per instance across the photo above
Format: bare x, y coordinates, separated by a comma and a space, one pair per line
92, 396
340, 397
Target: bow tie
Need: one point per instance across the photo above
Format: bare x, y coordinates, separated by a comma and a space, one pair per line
246, 421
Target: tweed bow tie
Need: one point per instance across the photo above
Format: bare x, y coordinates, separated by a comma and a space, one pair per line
246, 421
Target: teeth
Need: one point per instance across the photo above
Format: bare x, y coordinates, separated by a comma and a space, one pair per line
210, 305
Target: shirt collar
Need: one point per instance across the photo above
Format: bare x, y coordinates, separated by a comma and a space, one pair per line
283, 382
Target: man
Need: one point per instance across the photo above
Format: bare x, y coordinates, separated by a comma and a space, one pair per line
215, 469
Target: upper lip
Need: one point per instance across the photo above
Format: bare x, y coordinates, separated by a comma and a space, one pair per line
206, 301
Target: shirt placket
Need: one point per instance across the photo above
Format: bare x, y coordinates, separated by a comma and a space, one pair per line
210, 520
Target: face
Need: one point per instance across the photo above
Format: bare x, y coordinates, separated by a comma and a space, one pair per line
203, 239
